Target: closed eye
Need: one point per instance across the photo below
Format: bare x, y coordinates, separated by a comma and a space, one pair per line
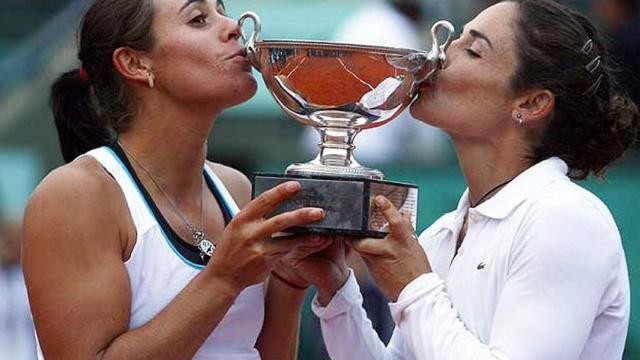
199, 20
472, 53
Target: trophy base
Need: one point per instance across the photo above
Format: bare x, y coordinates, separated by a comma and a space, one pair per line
347, 202
316, 169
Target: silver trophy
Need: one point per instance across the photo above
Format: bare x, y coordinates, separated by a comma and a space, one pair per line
341, 90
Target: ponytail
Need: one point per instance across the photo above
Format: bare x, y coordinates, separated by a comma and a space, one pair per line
77, 122
90, 105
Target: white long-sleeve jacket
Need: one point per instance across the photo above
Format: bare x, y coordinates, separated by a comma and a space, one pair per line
541, 275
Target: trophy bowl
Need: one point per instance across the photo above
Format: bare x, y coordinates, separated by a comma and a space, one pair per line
340, 90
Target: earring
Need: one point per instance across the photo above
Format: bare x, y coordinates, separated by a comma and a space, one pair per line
520, 119
151, 78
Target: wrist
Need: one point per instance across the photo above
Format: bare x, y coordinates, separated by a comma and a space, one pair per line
292, 285
224, 284
326, 293
289, 283
290, 296
393, 297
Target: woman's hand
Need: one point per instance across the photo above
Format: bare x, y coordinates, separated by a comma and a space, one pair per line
246, 251
321, 263
397, 259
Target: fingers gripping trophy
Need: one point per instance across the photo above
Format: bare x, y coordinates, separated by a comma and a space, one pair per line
341, 90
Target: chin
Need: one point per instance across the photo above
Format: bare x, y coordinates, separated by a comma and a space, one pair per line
250, 89
419, 109
428, 115
243, 92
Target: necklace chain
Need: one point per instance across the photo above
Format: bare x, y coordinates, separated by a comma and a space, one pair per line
471, 205
199, 237
493, 189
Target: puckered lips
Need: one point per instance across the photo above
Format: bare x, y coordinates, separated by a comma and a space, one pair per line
239, 53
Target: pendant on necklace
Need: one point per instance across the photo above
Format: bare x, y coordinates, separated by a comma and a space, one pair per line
205, 246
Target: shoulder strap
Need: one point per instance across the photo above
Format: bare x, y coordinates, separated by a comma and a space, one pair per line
140, 213
227, 200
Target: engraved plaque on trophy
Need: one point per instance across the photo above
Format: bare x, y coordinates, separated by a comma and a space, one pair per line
341, 90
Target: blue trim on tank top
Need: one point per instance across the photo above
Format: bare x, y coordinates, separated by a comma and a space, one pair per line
166, 238
232, 210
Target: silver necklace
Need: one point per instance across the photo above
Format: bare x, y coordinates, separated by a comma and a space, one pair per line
206, 246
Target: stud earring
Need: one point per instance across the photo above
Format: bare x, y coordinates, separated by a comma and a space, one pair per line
151, 79
520, 119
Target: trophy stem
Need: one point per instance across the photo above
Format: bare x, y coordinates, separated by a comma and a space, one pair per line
336, 146
336, 156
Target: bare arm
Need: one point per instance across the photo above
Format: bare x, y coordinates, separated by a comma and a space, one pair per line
279, 336
79, 288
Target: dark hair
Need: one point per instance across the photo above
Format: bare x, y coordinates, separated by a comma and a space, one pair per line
593, 123
412, 9
87, 108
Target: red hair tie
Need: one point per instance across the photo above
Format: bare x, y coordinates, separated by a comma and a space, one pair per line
83, 74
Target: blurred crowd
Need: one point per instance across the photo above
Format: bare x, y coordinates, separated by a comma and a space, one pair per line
16, 332
621, 19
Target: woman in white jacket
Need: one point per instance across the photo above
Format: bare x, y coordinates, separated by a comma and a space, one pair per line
530, 265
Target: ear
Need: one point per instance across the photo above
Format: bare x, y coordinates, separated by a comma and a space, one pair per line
132, 65
535, 106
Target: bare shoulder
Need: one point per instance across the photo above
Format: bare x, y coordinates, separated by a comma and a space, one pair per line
236, 182
78, 197
83, 181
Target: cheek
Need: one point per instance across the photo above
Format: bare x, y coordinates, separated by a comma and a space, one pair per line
224, 85
191, 71
463, 95
186, 59
451, 95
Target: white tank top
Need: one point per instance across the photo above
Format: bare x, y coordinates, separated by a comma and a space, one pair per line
159, 268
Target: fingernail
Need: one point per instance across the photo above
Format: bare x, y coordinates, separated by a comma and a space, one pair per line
292, 186
379, 201
317, 213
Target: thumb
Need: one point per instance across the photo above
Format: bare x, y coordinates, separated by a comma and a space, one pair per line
400, 224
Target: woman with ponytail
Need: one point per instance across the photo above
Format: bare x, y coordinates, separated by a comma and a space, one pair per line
138, 248
530, 265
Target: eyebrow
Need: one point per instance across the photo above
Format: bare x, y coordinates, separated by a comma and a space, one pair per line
479, 35
189, 2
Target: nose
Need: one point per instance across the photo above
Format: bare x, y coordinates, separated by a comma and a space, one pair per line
231, 30
453, 52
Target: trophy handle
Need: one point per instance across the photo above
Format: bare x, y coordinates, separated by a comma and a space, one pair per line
250, 43
439, 51
436, 59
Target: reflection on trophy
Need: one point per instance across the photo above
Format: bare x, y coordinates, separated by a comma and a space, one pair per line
340, 90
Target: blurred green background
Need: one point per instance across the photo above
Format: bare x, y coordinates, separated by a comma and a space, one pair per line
37, 42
